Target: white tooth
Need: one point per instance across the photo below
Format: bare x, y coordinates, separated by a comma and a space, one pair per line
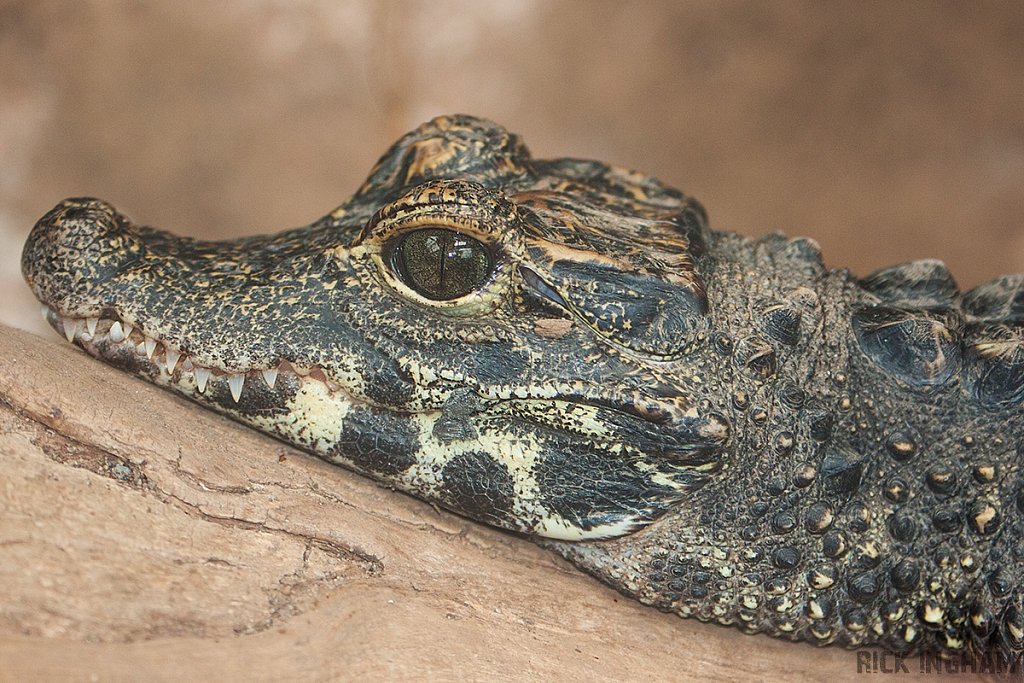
172, 358
70, 328
90, 324
128, 331
45, 310
202, 375
117, 334
187, 366
235, 383
270, 377
150, 347
140, 348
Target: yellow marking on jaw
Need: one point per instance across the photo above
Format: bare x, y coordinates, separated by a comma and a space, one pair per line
518, 455
557, 528
314, 416
319, 412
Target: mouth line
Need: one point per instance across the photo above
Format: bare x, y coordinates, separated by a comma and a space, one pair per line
681, 435
109, 338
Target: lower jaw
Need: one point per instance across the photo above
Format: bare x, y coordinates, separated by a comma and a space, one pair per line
285, 400
303, 408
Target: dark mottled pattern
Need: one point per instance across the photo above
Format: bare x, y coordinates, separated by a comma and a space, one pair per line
476, 483
800, 452
377, 441
591, 488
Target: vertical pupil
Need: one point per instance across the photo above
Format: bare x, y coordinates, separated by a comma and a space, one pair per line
442, 264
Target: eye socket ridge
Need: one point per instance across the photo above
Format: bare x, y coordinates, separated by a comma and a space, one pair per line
441, 264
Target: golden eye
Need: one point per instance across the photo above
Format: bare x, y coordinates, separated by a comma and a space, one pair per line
442, 264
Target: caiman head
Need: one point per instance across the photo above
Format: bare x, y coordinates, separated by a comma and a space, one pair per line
510, 338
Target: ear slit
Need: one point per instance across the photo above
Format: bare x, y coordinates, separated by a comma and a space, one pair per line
645, 312
537, 284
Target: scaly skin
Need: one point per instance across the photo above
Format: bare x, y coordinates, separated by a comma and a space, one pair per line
718, 427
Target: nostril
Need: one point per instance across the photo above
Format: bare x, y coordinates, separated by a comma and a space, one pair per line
75, 248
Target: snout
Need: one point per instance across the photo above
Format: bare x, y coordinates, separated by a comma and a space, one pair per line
74, 251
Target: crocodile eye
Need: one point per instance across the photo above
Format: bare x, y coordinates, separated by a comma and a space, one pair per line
442, 264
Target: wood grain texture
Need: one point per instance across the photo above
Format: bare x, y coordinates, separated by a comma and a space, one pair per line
144, 539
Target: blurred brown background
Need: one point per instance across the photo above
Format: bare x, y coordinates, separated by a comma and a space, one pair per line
886, 131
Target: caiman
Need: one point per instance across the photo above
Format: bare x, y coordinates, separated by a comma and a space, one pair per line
718, 427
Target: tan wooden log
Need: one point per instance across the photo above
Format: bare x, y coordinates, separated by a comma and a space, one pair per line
145, 539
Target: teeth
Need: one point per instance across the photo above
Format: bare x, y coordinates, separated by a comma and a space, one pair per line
70, 328
120, 332
235, 383
202, 376
172, 358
